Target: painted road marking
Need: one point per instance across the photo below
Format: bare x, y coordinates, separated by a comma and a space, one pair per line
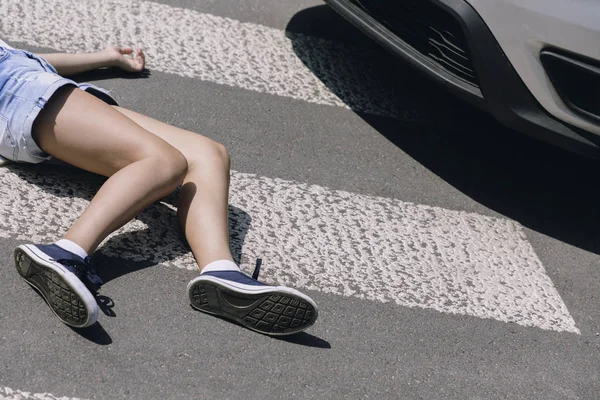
316, 238
212, 48
7, 393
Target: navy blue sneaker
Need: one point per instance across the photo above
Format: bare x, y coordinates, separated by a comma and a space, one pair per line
272, 310
65, 280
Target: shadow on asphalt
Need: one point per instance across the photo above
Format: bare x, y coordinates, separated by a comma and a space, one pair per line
114, 267
544, 188
94, 333
305, 339
300, 338
109, 73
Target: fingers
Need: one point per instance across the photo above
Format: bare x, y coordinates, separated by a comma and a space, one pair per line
140, 58
128, 59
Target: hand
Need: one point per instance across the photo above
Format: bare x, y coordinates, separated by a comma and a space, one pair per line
125, 58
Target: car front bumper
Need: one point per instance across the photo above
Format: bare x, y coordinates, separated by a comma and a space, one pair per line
525, 28
497, 87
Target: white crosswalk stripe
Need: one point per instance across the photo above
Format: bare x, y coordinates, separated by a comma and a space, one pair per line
333, 241
211, 48
7, 393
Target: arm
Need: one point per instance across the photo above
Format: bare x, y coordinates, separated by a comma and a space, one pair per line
112, 56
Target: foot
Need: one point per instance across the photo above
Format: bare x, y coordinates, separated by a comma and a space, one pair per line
272, 310
65, 280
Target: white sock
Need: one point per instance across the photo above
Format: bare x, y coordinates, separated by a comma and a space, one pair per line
73, 247
221, 265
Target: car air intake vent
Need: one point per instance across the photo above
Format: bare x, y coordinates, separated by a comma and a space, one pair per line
427, 28
577, 81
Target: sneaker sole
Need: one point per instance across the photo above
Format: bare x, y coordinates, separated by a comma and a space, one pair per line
272, 311
66, 295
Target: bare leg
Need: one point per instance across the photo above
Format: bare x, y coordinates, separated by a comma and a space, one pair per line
204, 196
146, 159
203, 210
85, 132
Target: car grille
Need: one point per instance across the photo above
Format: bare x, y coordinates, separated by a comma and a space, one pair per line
427, 28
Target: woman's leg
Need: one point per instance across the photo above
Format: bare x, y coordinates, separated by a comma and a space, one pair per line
222, 289
83, 131
204, 196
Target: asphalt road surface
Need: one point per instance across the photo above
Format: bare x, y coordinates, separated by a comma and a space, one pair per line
450, 257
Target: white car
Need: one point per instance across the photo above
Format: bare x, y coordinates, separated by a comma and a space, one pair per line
533, 64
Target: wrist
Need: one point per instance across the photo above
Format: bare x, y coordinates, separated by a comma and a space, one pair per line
107, 58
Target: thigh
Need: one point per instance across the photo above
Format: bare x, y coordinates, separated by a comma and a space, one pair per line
85, 132
192, 145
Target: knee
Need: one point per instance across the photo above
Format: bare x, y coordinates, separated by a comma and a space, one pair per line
221, 156
178, 166
209, 156
171, 168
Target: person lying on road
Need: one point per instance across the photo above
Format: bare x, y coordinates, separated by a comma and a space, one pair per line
44, 115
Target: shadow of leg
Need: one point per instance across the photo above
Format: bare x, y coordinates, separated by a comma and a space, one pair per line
239, 224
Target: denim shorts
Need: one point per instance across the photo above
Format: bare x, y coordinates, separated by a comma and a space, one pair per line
26, 84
